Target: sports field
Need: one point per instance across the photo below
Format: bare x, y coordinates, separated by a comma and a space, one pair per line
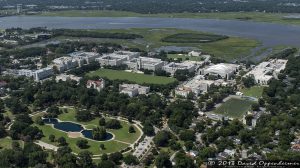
255, 91
234, 107
132, 77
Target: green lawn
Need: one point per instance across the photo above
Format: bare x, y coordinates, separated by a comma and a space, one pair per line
6, 143
111, 146
121, 134
255, 91
184, 57
133, 77
234, 107
247, 16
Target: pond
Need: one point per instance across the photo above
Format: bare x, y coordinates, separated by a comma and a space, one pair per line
89, 134
73, 127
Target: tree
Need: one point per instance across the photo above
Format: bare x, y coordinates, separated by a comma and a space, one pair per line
106, 164
62, 141
39, 121
84, 160
113, 124
99, 133
162, 138
163, 161
82, 144
183, 161
83, 115
248, 81
65, 158
102, 147
255, 107
131, 160
116, 157
2, 132
2, 106
131, 129
52, 138
148, 129
187, 135
102, 122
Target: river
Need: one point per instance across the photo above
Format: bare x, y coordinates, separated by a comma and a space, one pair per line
268, 33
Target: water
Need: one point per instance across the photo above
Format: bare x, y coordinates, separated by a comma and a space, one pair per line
89, 134
68, 127
269, 34
73, 127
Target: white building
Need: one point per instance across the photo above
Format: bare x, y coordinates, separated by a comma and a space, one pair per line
197, 86
172, 67
65, 77
145, 63
133, 89
117, 58
265, 71
88, 57
66, 63
37, 74
96, 84
195, 53
223, 70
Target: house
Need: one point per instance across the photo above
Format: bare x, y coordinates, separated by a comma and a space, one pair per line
3, 84
96, 84
133, 89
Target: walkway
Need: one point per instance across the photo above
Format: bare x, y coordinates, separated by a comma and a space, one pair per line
46, 145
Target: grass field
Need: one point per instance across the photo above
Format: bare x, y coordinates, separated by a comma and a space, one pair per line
6, 143
121, 134
247, 16
228, 49
122, 137
255, 91
133, 77
234, 107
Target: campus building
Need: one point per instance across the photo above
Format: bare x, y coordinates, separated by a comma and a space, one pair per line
265, 71
88, 57
195, 53
133, 89
36, 74
145, 63
172, 67
66, 63
223, 70
96, 84
197, 86
65, 77
117, 58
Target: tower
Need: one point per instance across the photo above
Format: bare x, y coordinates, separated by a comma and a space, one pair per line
19, 8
